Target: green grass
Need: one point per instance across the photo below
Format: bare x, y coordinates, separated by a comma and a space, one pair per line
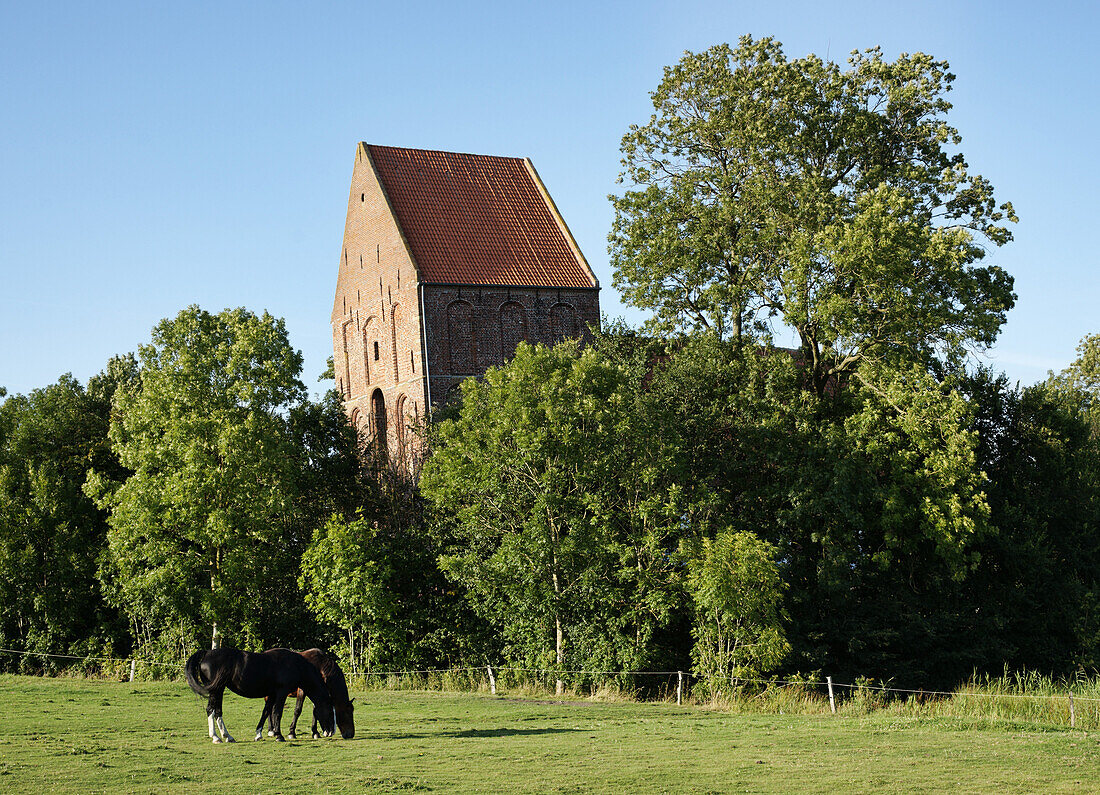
78, 735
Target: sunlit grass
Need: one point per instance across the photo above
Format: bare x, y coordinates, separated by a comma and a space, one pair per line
76, 735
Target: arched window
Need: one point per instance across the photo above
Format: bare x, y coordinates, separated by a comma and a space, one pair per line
378, 414
371, 368
513, 328
460, 337
563, 322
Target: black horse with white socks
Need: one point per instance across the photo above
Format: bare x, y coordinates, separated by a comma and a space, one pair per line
272, 674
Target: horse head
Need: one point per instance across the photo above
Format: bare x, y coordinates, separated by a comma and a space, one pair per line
322, 713
345, 719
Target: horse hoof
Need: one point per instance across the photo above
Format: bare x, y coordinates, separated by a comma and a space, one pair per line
270, 733
217, 739
292, 736
259, 736
230, 740
280, 738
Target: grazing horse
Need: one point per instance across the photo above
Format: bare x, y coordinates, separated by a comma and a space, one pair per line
271, 674
337, 688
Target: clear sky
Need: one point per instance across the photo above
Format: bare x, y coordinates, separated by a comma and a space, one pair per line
156, 155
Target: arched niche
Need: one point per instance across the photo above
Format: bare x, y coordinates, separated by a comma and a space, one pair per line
513, 328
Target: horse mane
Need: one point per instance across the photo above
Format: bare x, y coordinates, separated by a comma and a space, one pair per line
332, 674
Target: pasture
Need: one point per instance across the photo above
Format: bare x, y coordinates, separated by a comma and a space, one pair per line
78, 735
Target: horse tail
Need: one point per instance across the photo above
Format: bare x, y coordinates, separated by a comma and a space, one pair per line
193, 671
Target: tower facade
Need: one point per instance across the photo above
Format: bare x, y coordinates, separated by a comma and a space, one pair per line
449, 260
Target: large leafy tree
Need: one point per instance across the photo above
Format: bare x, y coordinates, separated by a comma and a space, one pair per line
557, 524
828, 199
198, 533
51, 533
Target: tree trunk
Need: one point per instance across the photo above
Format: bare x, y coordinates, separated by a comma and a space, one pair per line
559, 652
351, 650
559, 655
215, 636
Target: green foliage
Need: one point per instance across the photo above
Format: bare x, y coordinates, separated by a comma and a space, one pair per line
543, 490
50, 533
344, 584
735, 584
1080, 382
197, 531
763, 188
1038, 581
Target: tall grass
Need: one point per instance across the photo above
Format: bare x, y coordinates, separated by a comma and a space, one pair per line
1011, 698
1024, 698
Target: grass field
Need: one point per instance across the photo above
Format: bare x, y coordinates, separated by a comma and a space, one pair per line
83, 735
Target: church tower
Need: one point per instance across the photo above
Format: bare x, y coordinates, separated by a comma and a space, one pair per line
449, 261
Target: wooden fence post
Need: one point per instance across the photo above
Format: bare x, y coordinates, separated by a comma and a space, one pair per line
679, 687
832, 702
1072, 713
133, 665
492, 680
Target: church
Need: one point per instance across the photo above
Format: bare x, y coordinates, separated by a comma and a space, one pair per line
449, 262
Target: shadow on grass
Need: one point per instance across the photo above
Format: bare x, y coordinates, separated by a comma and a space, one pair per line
470, 733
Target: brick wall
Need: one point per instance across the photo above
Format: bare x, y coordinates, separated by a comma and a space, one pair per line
473, 328
375, 317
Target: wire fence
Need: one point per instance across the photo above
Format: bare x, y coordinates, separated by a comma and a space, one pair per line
1060, 694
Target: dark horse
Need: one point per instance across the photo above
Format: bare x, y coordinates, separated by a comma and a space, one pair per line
337, 688
271, 674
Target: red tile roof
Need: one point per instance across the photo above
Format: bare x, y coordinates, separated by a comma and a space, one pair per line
477, 219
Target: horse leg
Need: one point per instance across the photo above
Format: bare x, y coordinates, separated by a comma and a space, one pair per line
214, 717
265, 716
297, 711
276, 702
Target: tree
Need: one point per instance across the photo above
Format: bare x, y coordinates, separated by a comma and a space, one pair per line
872, 498
1036, 592
765, 188
737, 590
1081, 380
51, 534
198, 531
344, 584
540, 487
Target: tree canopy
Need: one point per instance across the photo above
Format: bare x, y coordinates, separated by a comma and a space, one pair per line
772, 189
197, 530
51, 534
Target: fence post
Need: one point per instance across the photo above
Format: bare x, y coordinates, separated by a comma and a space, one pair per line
679, 687
832, 702
133, 664
1072, 714
492, 680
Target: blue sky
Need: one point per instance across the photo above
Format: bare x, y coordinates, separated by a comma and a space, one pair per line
158, 155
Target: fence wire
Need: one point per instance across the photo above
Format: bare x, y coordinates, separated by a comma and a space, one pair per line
558, 672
